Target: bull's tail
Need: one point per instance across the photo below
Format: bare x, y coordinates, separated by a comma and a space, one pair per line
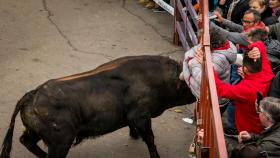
7, 143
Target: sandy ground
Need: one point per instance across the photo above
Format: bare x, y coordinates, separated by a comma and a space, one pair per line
44, 39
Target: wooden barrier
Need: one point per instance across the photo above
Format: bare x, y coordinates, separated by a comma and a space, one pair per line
208, 113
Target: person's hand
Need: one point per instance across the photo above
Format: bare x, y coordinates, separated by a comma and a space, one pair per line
267, 29
243, 136
199, 18
219, 16
240, 72
199, 56
200, 135
254, 54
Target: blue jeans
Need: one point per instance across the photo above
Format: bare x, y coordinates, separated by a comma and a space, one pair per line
234, 79
230, 122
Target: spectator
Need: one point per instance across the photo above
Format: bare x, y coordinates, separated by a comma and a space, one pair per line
224, 6
267, 144
236, 10
224, 53
251, 20
257, 78
275, 6
261, 7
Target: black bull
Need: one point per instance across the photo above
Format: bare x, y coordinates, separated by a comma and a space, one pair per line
125, 92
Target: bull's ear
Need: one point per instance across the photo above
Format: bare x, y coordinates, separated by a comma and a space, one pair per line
259, 97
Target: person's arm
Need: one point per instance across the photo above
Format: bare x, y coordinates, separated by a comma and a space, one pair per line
274, 30
195, 79
245, 136
235, 37
191, 71
234, 92
266, 67
232, 26
195, 71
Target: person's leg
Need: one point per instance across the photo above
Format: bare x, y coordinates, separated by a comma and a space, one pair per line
230, 122
231, 143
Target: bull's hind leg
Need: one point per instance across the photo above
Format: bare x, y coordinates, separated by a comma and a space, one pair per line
30, 139
144, 128
133, 132
60, 145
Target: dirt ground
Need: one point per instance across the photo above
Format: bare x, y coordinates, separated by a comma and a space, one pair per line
44, 39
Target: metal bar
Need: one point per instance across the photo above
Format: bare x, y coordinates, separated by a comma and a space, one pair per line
188, 26
192, 12
182, 37
175, 19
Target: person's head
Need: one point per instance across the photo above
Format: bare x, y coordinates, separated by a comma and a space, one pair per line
258, 5
251, 66
269, 110
217, 39
251, 18
257, 35
274, 4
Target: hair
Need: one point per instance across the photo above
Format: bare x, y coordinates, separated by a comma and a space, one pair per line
217, 39
253, 65
257, 15
262, 3
271, 105
258, 35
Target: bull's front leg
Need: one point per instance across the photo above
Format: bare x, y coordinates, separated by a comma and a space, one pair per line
144, 128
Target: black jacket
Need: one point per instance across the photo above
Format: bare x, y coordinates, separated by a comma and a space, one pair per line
238, 11
267, 18
269, 141
266, 145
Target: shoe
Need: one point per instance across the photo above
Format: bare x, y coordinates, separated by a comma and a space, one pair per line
150, 5
159, 10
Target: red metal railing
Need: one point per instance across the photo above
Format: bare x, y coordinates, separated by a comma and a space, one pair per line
208, 113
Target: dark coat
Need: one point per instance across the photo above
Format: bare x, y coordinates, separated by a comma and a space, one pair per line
267, 18
238, 11
265, 145
125, 92
269, 141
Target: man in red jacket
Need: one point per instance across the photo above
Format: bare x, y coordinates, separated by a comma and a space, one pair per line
257, 78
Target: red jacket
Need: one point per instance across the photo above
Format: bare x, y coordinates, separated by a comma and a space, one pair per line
244, 93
